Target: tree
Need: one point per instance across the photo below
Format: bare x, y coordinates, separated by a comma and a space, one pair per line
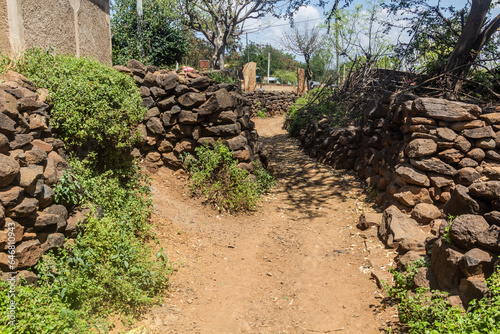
447, 41
258, 53
160, 42
220, 20
305, 42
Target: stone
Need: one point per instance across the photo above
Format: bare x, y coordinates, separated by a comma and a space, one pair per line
446, 134
7, 125
35, 156
46, 147
433, 165
158, 93
450, 156
191, 100
221, 130
461, 202
465, 229
55, 168
167, 81
152, 157
223, 117
424, 213
476, 154
493, 217
492, 119
466, 162
459, 126
462, 144
422, 120
369, 219
412, 195
487, 143
153, 112
28, 253
171, 160
466, 176
145, 92
29, 178
137, 68
25, 277
477, 262
47, 219
399, 231
37, 122
473, 288
185, 145
25, 208
403, 261
11, 195
20, 140
421, 148
165, 145
249, 76
76, 221
301, 81
9, 169
188, 117
201, 83
488, 189
220, 101
411, 175
440, 180
490, 239
18, 229
244, 154
54, 240
479, 133
424, 278
236, 143
167, 104
45, 197
444, 263
445, 110
4, 144
492, 154
180, 131
155, 126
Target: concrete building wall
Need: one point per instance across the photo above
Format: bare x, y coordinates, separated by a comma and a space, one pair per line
79, 27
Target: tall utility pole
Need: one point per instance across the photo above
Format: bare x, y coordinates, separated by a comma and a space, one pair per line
139, 25
268, 65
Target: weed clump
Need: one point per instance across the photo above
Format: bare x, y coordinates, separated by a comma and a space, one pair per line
216, 176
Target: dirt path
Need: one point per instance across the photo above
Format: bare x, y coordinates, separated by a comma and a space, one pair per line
296, 265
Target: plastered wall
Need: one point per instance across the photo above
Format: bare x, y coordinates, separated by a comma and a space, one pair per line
79, 27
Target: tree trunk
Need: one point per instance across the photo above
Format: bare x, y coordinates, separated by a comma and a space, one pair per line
469, 44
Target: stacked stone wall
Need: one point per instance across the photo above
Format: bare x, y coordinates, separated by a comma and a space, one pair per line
186, 110
429, 158
31, 163
271, 103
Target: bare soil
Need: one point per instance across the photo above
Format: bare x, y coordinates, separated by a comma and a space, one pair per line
295, 265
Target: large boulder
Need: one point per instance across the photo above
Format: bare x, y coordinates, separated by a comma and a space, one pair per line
424, 213
445, 260
461, 202
465, 229
445, 110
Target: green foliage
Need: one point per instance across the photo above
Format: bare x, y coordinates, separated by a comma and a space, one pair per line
446, 236
261, 114
68, 191
258, 53
94, 106
215, 175
5, 62
423, 311
159, 41
288, 77
309, 107
221, 77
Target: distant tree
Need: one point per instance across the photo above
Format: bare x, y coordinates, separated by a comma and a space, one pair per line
157, 39
258, 53
220, 20
303, 41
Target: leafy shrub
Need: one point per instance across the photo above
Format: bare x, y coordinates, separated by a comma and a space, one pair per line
215, 175
95, 107
429, 312
287, 77
221, 77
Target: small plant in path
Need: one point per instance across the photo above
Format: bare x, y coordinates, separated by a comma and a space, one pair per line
216, 176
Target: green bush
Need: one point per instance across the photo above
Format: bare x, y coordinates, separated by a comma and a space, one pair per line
287, 77
95, 107
422, 311
221, 77
215, 175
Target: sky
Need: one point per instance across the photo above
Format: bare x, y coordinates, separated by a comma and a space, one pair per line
268, 30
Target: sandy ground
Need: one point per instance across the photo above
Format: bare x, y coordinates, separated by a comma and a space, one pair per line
295, 265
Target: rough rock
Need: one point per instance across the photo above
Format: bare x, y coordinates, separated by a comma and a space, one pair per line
467, 176
54, 240
434, 165
11, 196
27, 207
493, 217
489, 189
9, 168
399, 231
473, 288
490, 239
191, 100
465, 229
477, 262
369, 219
451, 155
479, 133
424, 213
28, 253
476, 154
446, 134
412, 175
420, 148
445, 110
412, 195
444, 262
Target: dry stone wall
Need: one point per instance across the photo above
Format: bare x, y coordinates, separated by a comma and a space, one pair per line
186, 110
428, 158
31, 163
271, 103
